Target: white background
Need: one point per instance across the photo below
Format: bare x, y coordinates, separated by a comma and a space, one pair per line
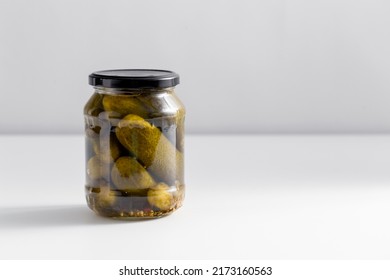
246, 66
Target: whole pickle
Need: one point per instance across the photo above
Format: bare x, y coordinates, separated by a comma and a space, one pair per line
96, 168
152, 148
93, 106
169, 118
124, 105
91, 112
128, 174
160, 196
180, 130
139, 137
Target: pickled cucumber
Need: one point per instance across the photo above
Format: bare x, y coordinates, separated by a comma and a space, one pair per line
94, 105
180, 130
139, 137
124, 105
152, 148
128, 174
96, 168
160, 197
165, 116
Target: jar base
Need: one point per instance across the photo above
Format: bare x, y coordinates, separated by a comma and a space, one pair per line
133, 215
126, 208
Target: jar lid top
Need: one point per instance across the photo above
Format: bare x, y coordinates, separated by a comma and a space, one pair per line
134, 78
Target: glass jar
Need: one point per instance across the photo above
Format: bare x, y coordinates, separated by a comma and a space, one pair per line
134, 133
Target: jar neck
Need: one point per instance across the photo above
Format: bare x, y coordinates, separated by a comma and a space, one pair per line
134, 91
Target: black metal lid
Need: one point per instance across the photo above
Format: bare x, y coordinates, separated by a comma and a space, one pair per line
134, 78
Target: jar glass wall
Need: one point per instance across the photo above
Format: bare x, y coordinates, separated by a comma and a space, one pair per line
134, 151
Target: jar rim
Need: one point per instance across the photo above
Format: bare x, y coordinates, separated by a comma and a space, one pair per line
134, 78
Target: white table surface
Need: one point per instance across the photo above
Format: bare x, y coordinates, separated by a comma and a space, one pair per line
259, 197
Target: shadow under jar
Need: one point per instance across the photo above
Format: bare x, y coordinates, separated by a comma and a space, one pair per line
134, 133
